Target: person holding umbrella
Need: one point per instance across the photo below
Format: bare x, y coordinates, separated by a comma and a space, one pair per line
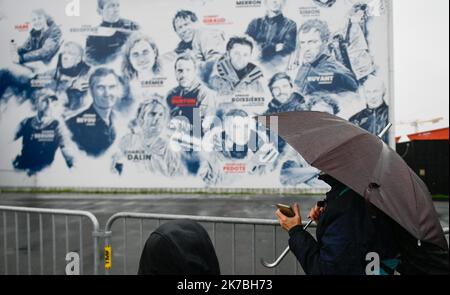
376, 203
345, 235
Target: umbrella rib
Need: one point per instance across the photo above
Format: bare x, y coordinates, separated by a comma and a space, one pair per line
415, 200
314, 129
379, 166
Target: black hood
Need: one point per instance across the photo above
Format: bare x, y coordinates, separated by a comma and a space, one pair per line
181, 247
337, 187
330, 180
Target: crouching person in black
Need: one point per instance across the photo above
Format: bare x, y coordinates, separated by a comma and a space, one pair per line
180, 247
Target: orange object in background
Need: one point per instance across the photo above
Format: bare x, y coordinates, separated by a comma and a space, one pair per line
438, 134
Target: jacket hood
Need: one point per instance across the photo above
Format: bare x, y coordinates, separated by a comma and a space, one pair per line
179, 247
330, 180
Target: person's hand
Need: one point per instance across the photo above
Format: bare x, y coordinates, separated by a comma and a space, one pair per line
315, 212
80, 85
289, 223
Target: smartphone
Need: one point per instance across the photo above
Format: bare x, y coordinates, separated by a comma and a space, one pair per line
286, 210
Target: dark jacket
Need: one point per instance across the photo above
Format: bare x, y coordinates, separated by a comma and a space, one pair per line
295, 103
39, 145
373, 120
325, 74
226, 81
179, 247
41, 46
268, 32
64, 80
90, 132
345, 234
103, 49
182, 101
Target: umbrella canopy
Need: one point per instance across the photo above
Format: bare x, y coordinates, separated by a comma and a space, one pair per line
365, 164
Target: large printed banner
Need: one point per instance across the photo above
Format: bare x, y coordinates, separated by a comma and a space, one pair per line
161, 93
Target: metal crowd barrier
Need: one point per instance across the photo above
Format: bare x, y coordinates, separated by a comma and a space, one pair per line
34, 217
56, 240
215, 221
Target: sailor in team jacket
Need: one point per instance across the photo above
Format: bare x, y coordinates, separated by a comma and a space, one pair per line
93, 130
285, 99
190, 94
41, 46
320, 71
234, 73
275, 34
375, 117
103, 49
44, 39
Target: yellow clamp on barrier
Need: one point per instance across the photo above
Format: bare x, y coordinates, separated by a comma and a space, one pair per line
108, 257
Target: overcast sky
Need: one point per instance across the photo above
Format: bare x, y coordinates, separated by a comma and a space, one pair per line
421, 61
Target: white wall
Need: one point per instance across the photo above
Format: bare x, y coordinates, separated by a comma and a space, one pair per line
421, 64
